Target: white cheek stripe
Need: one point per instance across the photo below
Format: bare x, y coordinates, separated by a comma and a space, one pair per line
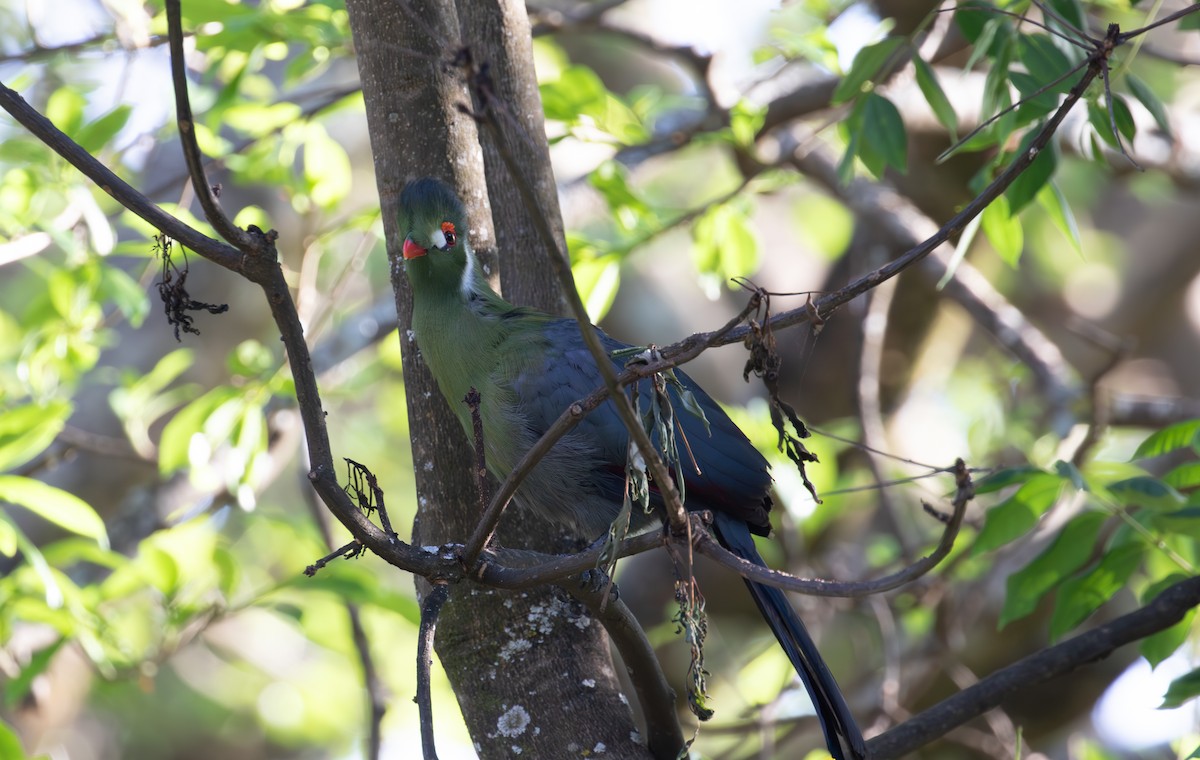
467, 286
439, 239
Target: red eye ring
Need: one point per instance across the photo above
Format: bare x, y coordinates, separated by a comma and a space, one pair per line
449, 233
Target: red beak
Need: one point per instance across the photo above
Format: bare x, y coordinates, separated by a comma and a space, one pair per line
412, 250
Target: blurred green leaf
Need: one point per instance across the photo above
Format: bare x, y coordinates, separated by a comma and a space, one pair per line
1171, 438
1016, 515
326, 167
1147, 98
65, 107
1080, 597
1009, 476
1052, 200
177, 435
936, 97
54, 504
1145, 491
1159, 646
884, 139
1181, 690
26, 431
98, 133
597, 280
1003, 231
1069, 551
10, 744
867, 64
724, 243
16, 689
1184, 477
127, 293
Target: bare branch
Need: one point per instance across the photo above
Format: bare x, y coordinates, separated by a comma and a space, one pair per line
708, 546
429, 615
187, 138
1167, 609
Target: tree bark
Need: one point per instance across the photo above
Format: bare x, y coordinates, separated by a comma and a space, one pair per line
532, 671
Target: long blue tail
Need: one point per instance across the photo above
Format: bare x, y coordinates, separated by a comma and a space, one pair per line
842, 735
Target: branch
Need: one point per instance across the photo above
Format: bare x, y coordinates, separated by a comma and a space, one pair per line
429, 615
187, 138
705, 544
120, 190
664, 737
1167, 609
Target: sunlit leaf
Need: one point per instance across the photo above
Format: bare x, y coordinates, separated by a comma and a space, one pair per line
1016, 515
1184, 477
1009, 476
54, 504
26, 431
867, 63
1171, 438
1003, 231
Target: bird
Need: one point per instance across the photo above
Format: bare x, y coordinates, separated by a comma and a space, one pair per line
528, 366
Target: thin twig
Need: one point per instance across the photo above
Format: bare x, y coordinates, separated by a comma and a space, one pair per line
187, 137
965, 491
429, 615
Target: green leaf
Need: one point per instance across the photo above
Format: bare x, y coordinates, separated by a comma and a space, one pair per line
1016, 515
1031, 181
1051, 199
177, 435
97, 134
54, 504
65, 107
1043, 60
18, 688
326, 167
576, 91
1184, 477
597, 280
10, 744
936, 97
745, 120
1171, 438
960, 250
866, 65
1099, 117
1181, 690
1003, 231
359, 585
1070, 473
26, 431
1078, 598
1150, 101
1068, 552
1159, 646
884, 140
724, 243
1009, 476
126, 292
1145, 491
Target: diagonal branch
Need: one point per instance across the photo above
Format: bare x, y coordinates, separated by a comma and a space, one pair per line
1167, 609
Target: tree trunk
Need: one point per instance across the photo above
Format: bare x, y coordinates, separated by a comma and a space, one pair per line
532, 671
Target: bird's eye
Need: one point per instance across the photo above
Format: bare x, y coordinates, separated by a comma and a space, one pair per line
449, 233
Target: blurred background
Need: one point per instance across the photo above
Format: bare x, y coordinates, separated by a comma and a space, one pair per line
156, 518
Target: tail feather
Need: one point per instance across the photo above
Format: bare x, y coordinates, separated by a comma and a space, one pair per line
842, 735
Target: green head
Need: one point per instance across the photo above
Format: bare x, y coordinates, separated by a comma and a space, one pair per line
434, 224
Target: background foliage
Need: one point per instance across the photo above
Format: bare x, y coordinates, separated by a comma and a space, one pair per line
155, 521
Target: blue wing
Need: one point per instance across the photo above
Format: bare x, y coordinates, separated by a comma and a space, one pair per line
733, 477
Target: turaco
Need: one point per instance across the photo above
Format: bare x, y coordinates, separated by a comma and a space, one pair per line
528, 366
